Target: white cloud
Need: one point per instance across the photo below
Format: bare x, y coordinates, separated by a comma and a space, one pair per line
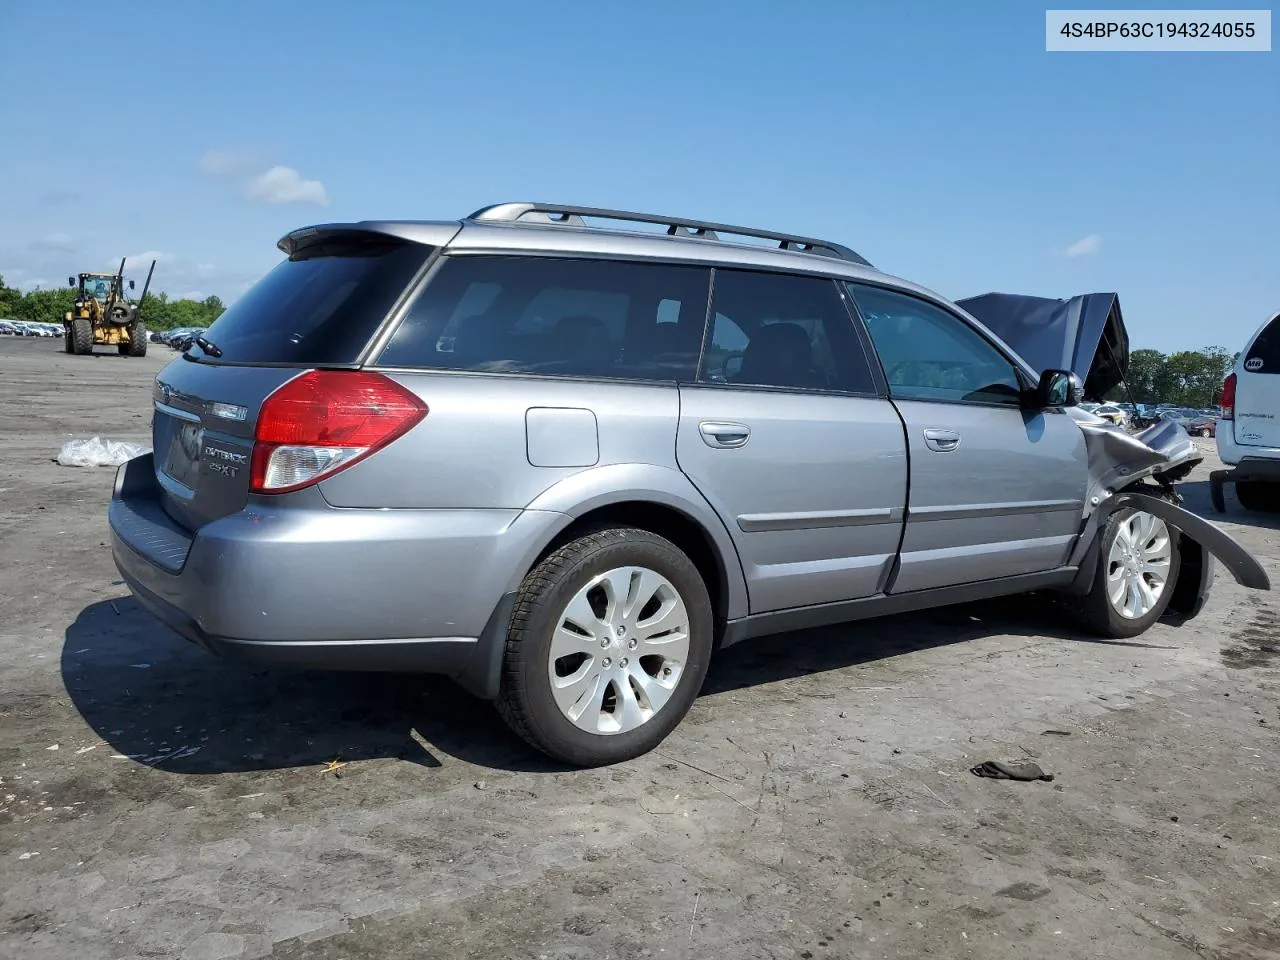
142, 261
223, 163
1084, 247
285, 185
57, 242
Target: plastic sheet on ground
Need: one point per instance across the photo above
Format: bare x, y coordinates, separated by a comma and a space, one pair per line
97, 452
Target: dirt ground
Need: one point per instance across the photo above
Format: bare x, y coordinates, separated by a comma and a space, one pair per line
157, 802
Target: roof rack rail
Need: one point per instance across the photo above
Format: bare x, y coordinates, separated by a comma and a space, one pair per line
571, 216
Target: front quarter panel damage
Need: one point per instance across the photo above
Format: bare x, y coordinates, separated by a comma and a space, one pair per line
1138, 472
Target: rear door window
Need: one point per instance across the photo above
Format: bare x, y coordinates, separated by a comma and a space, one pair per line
320, 306
1263, 355
780, 330
556, 317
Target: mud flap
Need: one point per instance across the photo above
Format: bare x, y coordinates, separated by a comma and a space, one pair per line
1244, 568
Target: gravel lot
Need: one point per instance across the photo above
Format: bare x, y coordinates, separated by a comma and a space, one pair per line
156, 802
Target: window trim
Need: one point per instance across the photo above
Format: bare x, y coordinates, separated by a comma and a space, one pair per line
708, 329
435, 263
1019, 373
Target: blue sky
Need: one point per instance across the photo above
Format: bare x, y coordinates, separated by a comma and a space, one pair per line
940, 140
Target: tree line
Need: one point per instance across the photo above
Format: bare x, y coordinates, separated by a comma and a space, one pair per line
1188, 378
158, 312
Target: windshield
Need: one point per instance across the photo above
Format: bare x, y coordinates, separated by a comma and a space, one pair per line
97, 287
320, 306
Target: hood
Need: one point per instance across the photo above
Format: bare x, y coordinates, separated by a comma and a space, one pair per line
1085, 334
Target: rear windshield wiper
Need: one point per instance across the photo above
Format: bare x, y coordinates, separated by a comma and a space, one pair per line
208, 346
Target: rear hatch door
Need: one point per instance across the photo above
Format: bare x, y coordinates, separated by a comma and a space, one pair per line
1257, 409
318, 308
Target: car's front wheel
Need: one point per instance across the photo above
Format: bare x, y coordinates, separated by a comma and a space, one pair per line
608, 647
1138, 565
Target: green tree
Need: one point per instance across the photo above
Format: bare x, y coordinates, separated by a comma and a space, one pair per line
10, 300
45, 306
1146, 367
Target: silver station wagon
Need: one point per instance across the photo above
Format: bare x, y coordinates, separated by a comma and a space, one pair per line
563, 454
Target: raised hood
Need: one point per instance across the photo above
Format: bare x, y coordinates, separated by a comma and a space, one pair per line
1085, 334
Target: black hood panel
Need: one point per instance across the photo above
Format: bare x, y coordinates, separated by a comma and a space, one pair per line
1085, 334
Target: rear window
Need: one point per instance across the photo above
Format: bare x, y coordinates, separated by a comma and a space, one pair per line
1263, 355
556, 317
320, 306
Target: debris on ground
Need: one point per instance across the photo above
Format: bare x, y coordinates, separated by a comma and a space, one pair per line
96, 452
999, 770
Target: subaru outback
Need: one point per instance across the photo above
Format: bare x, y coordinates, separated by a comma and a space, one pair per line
562, 455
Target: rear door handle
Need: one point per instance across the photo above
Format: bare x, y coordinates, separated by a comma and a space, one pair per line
944, 441
722, 433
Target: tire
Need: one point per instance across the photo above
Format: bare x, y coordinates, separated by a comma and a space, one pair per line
81, 336
618, 720
1097, 610
67, 343
137, 345
1260, 495
1206, 432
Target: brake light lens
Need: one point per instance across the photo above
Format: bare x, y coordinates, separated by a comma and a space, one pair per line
1228, 400
325, 421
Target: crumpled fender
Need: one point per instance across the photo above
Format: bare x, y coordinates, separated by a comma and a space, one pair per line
1247, 571
1118, 462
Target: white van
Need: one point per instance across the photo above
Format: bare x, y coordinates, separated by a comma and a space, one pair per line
1249, 433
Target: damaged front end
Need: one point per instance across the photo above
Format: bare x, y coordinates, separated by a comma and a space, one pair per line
1086, 335
1138, 472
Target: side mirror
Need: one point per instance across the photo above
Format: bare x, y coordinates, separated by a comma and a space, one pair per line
130, 284
1058, 388
71, 281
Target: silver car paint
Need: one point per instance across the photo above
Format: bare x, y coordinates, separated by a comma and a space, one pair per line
814, 497
427, 539
1005, 500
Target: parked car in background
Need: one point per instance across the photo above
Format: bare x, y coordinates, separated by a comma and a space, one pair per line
1112, 412
1248, 437
9, 329
564, 463
1202, 426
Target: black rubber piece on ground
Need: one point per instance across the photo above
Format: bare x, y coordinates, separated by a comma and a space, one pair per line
81, 335
1094, 610
525, 700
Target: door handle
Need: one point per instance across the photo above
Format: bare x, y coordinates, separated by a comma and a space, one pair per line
720, 433
944, 441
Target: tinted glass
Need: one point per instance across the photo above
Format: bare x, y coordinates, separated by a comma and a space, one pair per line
1263, 355
539, 315
321, 306
930, 354
777, 330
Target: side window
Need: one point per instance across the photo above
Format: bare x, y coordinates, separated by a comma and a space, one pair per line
780, 330
556, 317
930, 354
1263, 355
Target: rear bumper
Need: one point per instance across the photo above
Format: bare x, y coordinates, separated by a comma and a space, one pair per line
312, 586
1232, 453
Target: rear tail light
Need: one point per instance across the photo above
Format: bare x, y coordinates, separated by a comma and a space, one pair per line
323, 422
1228, 400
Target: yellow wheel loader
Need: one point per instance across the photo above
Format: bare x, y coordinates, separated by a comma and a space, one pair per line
102, 314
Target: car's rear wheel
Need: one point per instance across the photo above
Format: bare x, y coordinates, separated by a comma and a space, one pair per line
607, 648
1260, 495
1138, 564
